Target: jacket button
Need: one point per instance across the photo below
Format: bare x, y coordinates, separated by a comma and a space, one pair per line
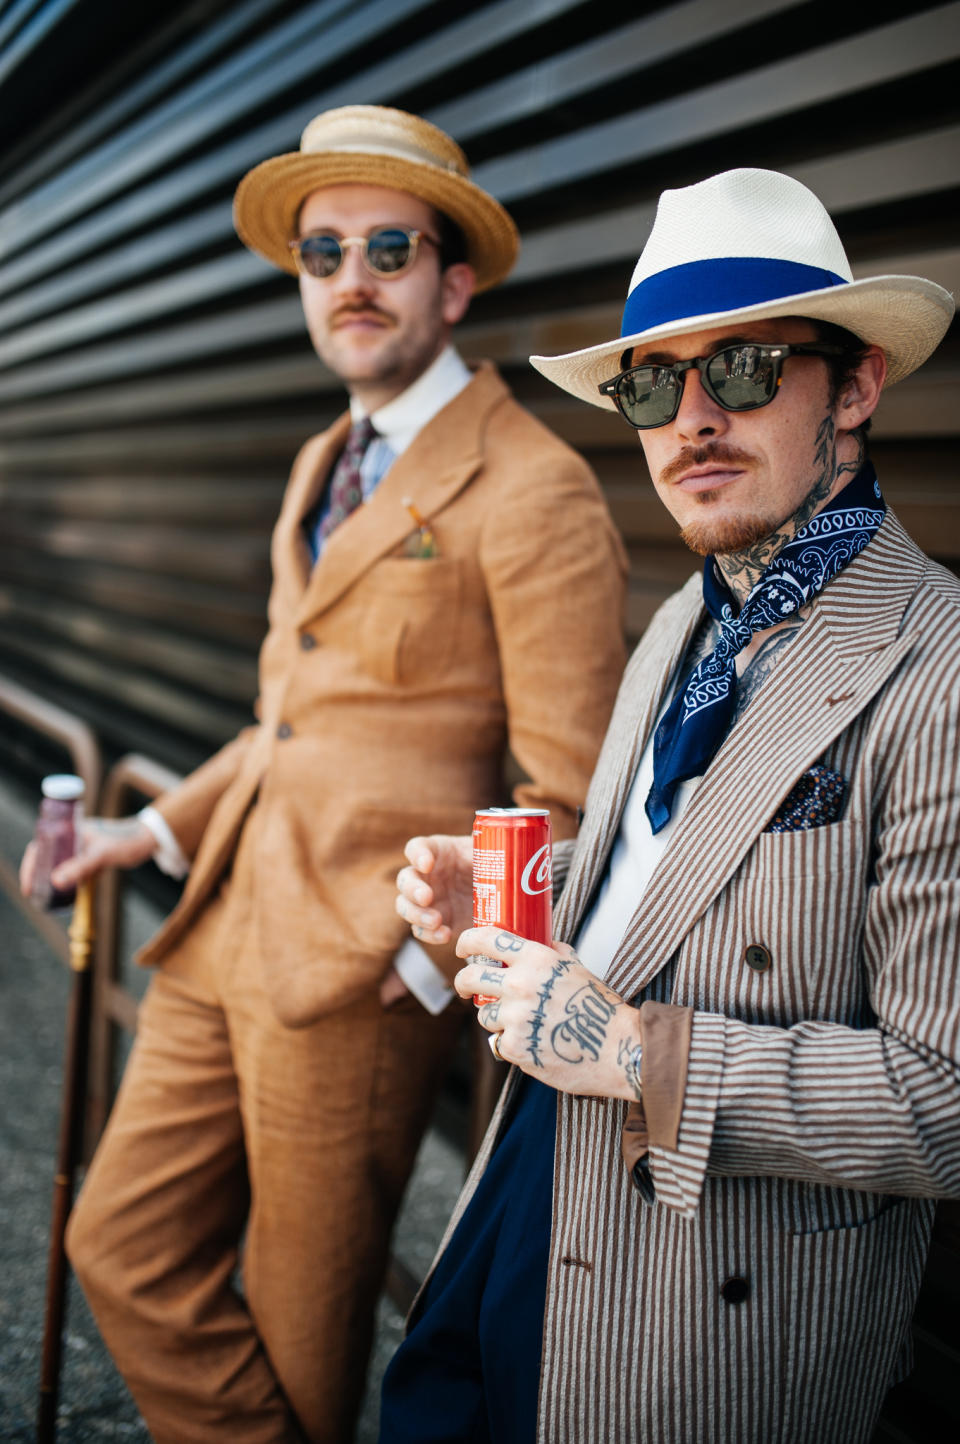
734, 1291
307, 641
757, 957
284, 731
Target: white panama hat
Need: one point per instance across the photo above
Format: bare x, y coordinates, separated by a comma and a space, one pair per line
743, 246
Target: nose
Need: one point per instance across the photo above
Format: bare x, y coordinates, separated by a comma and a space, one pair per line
352, 275
698, 414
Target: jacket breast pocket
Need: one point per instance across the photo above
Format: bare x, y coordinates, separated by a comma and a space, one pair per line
411, 618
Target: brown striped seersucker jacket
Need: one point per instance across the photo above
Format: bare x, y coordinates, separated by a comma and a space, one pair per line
821, 1116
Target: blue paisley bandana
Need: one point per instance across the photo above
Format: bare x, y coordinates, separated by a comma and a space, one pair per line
699, 716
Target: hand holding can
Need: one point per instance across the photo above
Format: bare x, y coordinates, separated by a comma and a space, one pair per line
513, 874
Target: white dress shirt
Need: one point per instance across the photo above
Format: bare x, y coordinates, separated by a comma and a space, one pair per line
633, 860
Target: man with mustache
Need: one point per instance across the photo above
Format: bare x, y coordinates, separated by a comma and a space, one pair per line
703, 1206
445, 570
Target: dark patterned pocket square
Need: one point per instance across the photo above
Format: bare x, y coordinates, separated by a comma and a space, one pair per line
817, 799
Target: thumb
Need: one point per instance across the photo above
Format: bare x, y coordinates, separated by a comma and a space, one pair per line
75, 870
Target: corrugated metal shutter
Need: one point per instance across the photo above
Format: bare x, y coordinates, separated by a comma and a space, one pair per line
155, 379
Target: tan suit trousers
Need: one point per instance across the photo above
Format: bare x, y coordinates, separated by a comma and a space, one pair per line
227, 1120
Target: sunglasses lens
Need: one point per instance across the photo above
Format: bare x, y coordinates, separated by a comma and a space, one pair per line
389, 251
742, 377
648, 395
320, 255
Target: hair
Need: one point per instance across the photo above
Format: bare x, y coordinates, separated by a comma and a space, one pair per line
843, 368
453, 243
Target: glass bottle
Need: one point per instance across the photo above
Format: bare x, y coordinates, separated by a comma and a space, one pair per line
55, 836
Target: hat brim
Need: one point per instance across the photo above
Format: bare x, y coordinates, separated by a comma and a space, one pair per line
906, 316
268, 201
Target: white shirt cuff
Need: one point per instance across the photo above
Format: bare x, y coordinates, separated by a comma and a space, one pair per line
423, 977
169, 855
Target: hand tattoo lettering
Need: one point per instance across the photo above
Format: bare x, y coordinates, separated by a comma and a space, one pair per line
584, 1030
508, 943
489, 1014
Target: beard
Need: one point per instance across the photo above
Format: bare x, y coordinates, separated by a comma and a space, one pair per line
716, 536
726, 534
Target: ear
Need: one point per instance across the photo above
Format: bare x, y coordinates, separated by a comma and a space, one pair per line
457, 285
860, 396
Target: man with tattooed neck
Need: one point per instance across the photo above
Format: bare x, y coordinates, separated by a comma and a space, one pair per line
704, 1203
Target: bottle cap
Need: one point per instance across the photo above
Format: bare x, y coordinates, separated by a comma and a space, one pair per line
62, 787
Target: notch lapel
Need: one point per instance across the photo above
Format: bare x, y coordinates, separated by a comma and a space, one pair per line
289, 553
441, 460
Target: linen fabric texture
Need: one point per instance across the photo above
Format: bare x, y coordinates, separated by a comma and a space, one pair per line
268, 1079
818, 1117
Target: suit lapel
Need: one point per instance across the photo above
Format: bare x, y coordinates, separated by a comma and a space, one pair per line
290, 555
843, 655
442, 459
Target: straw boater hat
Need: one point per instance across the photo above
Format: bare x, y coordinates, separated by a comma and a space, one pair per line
744, 246
373, 145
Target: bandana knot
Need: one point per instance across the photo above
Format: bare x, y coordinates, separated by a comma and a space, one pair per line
698, 718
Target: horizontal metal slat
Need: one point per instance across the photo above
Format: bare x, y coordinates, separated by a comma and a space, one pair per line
306, 41
121, 685
630, 49
224, 164
215, 610
207, 668
845, 68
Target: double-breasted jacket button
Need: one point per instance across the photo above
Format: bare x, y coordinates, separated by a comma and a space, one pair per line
307, 641
734, 1290
757, 957
284, 731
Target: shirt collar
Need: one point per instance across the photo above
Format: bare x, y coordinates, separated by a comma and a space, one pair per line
401, 419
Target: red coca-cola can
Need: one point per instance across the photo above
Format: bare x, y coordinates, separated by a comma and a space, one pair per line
513, 873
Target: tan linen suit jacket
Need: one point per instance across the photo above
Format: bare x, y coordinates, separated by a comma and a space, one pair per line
391, 684
821, 1111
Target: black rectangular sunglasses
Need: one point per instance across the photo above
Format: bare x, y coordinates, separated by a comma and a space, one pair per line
741, 377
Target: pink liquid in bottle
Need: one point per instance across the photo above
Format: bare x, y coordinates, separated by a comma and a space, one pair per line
55, 836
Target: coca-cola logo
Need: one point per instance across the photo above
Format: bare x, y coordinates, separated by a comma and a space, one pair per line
537, 871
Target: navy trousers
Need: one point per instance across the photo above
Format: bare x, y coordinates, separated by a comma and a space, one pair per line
468, 1372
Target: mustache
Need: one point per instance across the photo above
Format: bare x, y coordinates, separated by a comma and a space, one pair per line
712, 453
359, 309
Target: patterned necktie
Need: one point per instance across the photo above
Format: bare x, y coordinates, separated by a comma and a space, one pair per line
345, 490
698, 718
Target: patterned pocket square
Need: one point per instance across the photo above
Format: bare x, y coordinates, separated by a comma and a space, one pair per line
817, 799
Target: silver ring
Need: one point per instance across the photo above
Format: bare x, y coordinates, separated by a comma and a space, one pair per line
494, 1041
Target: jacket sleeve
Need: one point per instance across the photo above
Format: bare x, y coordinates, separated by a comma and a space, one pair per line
187, 808
555, 571
875, 1108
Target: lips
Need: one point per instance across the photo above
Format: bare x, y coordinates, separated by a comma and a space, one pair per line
363, 320
708, 479
705, 469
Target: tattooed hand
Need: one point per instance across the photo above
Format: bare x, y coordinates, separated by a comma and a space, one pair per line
104, 842
557, 1021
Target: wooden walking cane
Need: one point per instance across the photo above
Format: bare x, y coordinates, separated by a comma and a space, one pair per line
69, 1149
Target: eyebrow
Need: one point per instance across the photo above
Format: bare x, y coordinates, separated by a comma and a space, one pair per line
667, 358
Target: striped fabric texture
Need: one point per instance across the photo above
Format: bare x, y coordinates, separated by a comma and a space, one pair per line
766, 1294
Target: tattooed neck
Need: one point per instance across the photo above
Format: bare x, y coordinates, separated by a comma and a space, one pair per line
743, 569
